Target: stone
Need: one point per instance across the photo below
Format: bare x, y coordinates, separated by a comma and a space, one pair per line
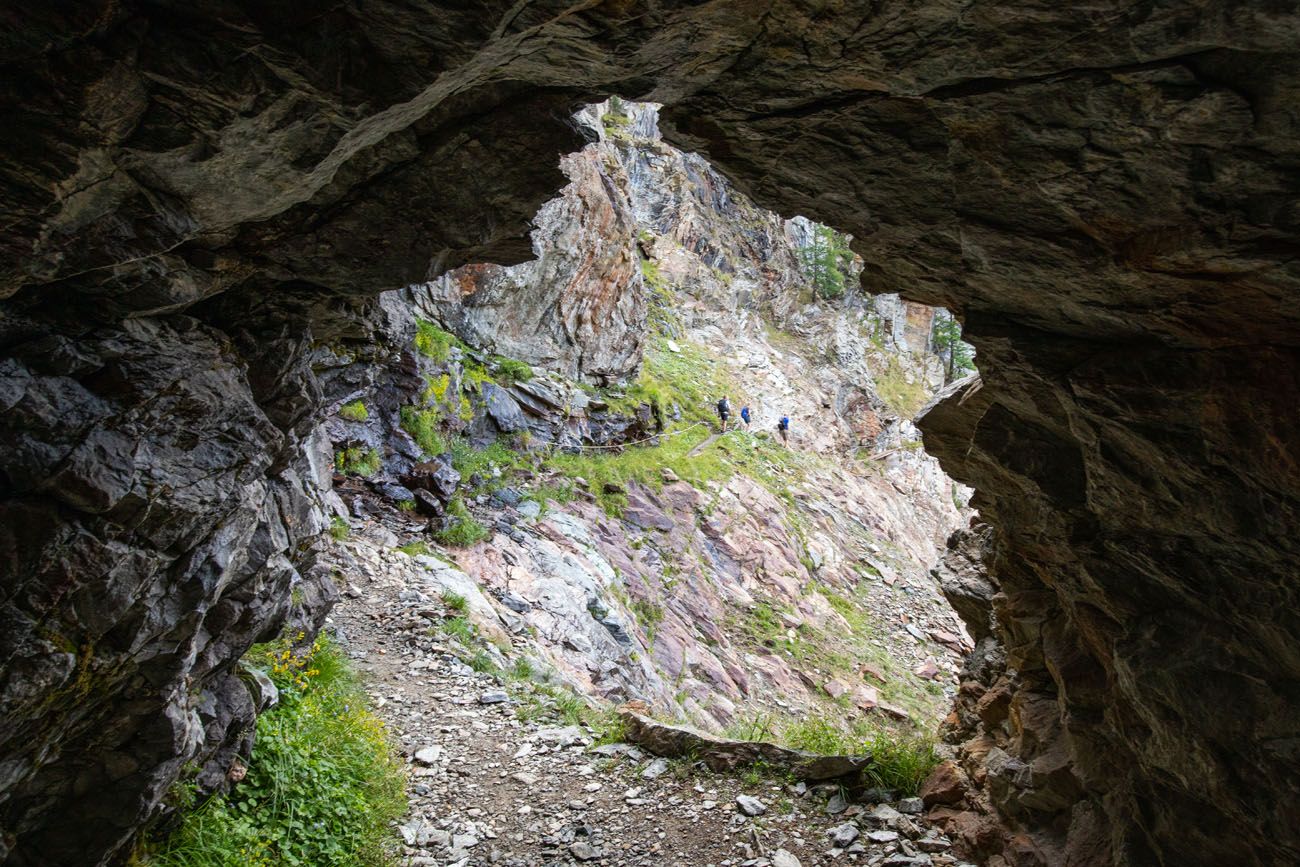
583, 851
428, 755
784, 858
946, 784
836, 805
911, 806
748, 805
655, 769
494, 697
844, 834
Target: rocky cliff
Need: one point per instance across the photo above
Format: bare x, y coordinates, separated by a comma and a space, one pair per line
717, 579
198, 199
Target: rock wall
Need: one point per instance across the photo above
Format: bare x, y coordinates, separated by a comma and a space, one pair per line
1104, 192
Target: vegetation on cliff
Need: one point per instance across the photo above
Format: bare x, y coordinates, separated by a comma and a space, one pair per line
322, 784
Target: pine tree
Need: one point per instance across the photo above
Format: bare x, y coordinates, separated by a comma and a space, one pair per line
945, 336
826, 261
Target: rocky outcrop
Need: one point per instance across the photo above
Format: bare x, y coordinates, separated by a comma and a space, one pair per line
1104, 192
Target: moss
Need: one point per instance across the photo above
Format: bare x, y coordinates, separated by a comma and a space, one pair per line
355, 411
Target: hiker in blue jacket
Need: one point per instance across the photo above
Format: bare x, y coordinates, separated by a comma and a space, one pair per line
744, 416
784, 427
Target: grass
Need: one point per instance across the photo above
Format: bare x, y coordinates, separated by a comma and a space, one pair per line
339, 528
455, 602
416, 549
356, 461
459, 628
355, 411
463, 528
900, 394
898, 762
422, 425
432, 342
323, 783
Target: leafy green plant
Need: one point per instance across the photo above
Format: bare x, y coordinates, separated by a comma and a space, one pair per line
339, 528
415, 549
358, 461
355, 411
513, 371
323, 785
455, 602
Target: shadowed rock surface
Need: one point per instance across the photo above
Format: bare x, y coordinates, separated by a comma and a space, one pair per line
197, 198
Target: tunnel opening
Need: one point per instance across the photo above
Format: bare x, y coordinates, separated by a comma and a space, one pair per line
1111, 218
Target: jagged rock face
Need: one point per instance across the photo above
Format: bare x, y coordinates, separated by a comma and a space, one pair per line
1106, 192
578, 308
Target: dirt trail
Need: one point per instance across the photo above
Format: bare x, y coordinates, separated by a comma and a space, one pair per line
487, 788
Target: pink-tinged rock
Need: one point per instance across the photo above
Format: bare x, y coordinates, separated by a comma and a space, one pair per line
866, 697
835, 688
948, 640
644, 510
927, 670
894, 711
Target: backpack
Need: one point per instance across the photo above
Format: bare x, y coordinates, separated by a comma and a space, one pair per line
723, 406
785, 423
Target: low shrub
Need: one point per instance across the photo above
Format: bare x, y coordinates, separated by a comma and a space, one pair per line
356, 461
323, 783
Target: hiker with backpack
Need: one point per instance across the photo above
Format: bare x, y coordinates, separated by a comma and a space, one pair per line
784, 427
724, 412
744, 416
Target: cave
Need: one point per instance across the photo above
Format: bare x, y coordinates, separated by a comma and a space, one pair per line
1105, 195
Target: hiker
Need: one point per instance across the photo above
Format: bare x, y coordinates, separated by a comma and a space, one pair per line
724, 412
744, 416
784, 427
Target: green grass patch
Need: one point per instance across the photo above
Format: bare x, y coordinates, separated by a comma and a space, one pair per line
422, 424
355, 411
357, 461
512, 371
463, 528
417, 548
459, 628
432, 342
323, 784
339, 528
455, 602
900, 394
